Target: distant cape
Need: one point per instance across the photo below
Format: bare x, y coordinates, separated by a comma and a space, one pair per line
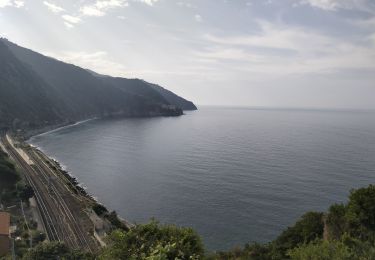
36, 91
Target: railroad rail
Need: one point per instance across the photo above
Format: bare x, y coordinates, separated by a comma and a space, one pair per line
58, 220
43, 168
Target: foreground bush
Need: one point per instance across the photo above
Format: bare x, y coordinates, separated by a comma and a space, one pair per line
345, 249
349, 234
154, 241
55, 251
347, 231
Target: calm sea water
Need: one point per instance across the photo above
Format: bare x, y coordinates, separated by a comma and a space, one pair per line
234, 175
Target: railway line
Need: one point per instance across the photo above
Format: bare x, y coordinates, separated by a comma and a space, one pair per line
54, 202
76, 229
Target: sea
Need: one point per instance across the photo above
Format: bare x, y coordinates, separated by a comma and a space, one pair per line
235, 175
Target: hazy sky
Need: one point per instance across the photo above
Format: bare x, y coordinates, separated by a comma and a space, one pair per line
279, 53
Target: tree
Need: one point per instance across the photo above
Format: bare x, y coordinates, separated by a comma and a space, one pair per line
345, 248
8, 173
24, 191
154, 241
336, 221
309, 228
99, 209
55, 251
321, 250
361, 209
254, 251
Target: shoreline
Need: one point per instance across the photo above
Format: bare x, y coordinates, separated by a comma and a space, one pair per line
61, 167
60, 128
78, 188
68, 175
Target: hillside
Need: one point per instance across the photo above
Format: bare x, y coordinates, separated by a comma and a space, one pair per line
24, 96
173, 98
37, 90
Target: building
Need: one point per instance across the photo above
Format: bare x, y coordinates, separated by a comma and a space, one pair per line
4, 233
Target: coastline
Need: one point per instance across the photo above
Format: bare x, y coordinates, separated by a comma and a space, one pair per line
93, 208
76, 185
60, 166
78, 188
60, 128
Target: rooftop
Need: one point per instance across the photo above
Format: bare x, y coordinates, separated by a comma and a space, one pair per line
4, 223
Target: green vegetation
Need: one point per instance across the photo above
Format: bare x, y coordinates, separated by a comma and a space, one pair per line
115, 220
54, 250
112, 216
99, 209
154, 241
8, 174
307, 229
150, 241
346, 231
12, 187
24, 191
8, 179
346, 248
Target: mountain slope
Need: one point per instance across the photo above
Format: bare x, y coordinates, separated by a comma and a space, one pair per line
70, 78
138, 84
37, 90
173, 98
24, 96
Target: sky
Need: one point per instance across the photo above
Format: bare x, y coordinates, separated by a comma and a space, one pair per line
258, 53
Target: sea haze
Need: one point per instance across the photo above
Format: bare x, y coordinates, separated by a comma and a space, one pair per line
234, 175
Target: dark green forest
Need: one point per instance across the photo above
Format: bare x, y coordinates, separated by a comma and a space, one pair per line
8, 174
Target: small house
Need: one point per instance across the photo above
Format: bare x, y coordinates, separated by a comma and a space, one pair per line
5, 242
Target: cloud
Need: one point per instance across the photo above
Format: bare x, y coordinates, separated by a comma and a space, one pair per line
186, 4
11, 3
53, 8
280, 49
68, 25
19, 4
277, 37
99, 8
71, 19
334, 5
92, 11
323, 4
97, 61
198, 18
148, 2
367, 23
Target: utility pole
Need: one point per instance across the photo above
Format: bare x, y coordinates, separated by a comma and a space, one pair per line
27, 225
13, 251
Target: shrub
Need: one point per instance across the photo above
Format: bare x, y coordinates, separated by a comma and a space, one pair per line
309, 228
99, 209
55, 250
154, 241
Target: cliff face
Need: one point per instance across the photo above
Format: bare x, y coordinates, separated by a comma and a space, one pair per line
36, 90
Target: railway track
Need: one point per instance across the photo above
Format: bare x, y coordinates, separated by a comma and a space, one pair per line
47, 219
43, 170
58, 220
